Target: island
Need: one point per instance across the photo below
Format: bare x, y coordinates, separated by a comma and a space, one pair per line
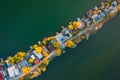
25, 65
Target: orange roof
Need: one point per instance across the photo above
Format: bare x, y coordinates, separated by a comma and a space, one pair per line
80, 25
36, 62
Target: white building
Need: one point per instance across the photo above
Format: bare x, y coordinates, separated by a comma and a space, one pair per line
40, 56
60, 38
13, 71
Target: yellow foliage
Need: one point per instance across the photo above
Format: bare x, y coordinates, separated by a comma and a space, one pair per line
77, 24
22, 78
21, 58
45, 54
70, 44
70, 26
107, 3
38, 49
45, 61
25, 70
35, 46
94, 12
30, 60
50, 38
21, 54
74, 23
98, 11
56, 44
44, 42
58, 52
36, 73
119, 9
43, 69
9, 58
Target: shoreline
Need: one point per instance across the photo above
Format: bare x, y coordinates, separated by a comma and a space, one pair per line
77, 38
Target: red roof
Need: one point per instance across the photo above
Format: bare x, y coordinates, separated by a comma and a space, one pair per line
1, 78
0, 67
90, 11
36, 62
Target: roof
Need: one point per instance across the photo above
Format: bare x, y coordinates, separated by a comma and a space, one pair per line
33, 57
36, 62
0, 67
40, 56
67, 34
1, 78
60, 38
12, 71
22, 64
81, 24
114, 3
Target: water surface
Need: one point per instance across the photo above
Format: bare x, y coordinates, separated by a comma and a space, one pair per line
23, 23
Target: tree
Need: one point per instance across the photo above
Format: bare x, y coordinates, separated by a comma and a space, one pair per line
22, 78
21, 54
25, 70
45, 61
37, 48
70, 44
56, 44
58, 52
11, 60
70, 26
110, 1
45, 54
50, 38
30, 60
119, 9
43, 69
107, 4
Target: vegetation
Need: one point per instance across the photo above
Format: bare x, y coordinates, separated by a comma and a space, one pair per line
22, 78
74, 25
25, 70
30, 60
33, 74
37, 48
119, 9
110, 1
70, 44
58, 52
50, 38
16, 58
43, 69
46, 40
70, 26
56, 44
45, 54
107, 4
45, 61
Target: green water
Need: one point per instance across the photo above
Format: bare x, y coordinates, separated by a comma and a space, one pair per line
23, 23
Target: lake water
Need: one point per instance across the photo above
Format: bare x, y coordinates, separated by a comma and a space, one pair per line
23, 23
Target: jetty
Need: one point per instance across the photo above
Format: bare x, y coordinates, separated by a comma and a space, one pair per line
28, 65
